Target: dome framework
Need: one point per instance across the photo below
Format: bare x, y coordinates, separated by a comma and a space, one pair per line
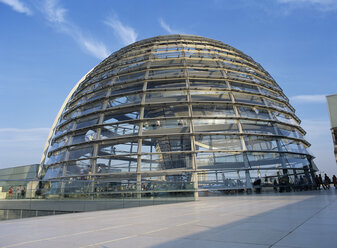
177, 113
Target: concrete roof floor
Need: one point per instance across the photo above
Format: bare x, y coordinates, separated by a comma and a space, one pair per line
282, 220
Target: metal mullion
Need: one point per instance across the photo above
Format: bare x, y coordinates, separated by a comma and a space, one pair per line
194, 177
140, 129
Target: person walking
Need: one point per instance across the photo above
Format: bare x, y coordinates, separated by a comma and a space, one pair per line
321, 181
327, 181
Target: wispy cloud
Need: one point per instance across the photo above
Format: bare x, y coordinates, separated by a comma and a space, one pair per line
14, 135
309, 98
53, 12
56, 16
18, 6
126, 33
21, 146
322, 5
167, 28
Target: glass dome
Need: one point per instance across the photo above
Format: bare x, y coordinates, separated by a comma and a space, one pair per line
182, 111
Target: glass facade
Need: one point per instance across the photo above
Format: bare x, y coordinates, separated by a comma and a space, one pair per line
177, 113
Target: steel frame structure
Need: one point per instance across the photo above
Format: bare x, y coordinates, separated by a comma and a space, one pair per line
179, 109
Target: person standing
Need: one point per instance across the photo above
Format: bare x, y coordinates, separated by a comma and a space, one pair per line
317, 182
10, 192
18, 192
23, 193
334, 181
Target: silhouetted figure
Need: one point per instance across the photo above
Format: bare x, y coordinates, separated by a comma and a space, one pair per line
334, 181
257, 185
327, 181
321, 181
317, 183
275, 185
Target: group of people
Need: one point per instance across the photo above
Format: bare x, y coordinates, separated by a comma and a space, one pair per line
325, 183
19, 192
298, 183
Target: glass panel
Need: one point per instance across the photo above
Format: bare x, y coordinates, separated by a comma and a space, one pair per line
166, 161
254, 112
240, 75
296, 160
55, 157
81, 152
285, 118
277, 105
126, 88
96, 95
165, 111
198, 72
166, 84
53, 172
192, 54
168, 55
166, 96
245, 98
121, 115
117, 164
167, 48
110, 131
264, 159
261, 143
118, 147
244, 87
166, 73
213, 110
293, 146
85, 136
132, 76
217, 160
78, 168
65, 128
87, 122
260, 127
166, 144
167, 63
130, 67
202, 63
217, 142
215, 125
124, 100
56, 143
209, 96
168, 126
270, 93
91, 108
208, 83
289, 131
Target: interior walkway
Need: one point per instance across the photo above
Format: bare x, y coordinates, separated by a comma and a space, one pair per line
302, 219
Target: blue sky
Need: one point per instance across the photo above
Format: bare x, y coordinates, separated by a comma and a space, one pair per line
47, 46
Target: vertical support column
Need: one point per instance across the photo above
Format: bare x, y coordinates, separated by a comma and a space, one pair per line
194, 176
93, 162
248, 180
140, 134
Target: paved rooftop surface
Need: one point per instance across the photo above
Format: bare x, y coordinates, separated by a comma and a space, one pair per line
303, 219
